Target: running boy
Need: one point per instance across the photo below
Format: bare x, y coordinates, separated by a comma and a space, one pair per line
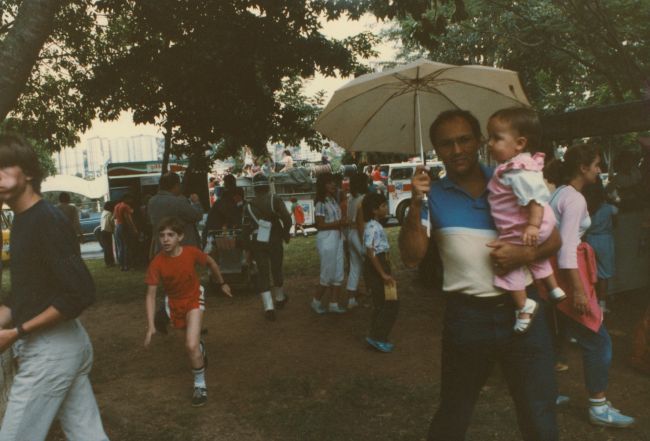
378, 274
299, 217
519, 202
174, 268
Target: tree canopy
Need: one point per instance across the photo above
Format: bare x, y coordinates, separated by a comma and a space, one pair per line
569, 54
215, 72
211, 73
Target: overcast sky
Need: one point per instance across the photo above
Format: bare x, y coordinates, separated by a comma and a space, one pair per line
337, 29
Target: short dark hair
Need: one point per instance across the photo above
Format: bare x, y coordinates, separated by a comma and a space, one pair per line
169, 180
321, 184
358, 184
17, 151
448, 115
229, 181
525, 122
173, 223
287, 152
370, 203
64, 197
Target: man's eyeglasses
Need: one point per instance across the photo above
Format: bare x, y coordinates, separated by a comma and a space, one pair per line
462, 141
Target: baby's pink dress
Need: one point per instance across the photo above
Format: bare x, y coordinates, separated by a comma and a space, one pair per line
513, 186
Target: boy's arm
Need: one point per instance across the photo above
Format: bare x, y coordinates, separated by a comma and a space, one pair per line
150, 306
217, 277
370, 253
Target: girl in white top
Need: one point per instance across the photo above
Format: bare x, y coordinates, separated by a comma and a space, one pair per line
358, 189
329, 242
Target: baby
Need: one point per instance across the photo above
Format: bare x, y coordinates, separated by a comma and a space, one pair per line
519, 203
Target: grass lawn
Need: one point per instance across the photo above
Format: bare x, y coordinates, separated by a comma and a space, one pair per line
312, 378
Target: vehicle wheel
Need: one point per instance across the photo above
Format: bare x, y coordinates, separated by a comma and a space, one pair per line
403, 210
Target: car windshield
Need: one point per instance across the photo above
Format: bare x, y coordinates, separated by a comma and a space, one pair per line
401, 173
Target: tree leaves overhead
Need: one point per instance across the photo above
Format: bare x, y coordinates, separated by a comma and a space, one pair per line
568, 53
225, 72
51, 108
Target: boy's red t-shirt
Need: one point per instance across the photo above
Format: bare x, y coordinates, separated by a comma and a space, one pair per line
177, 274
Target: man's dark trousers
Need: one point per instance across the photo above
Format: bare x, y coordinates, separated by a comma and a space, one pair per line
476, 335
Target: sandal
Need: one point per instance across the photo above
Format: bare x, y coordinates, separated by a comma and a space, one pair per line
522, 324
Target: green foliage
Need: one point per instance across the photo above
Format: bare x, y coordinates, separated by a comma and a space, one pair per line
219, 73
52, 109
569, 54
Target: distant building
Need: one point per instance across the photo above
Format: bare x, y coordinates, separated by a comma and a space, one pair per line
88, 160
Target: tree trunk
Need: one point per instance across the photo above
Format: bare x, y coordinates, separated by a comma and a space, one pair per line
21, 46
169, 125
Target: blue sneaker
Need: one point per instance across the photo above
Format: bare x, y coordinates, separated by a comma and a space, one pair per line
381, 346
610, 417
562, 400
318, 307
336, 309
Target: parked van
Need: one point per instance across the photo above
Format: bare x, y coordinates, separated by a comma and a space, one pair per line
398, 185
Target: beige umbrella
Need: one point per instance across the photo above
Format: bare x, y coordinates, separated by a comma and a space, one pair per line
391, 111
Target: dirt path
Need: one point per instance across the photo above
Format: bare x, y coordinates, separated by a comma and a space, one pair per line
307, 377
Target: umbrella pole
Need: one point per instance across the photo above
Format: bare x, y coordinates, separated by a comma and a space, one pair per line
425, 221
419, 120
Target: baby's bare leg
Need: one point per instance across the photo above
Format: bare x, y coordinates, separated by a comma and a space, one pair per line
519, 298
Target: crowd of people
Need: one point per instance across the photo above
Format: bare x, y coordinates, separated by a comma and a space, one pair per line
509, 242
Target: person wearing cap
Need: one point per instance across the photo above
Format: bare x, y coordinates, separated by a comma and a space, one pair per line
266, 224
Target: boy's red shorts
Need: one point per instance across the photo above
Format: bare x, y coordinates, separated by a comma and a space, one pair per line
178, 307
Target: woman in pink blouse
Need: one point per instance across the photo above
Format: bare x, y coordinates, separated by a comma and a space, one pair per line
576, 265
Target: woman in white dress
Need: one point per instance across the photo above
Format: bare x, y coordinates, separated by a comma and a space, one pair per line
329, 242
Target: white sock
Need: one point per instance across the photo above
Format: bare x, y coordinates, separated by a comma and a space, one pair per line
557, 293
316, 302
599, 405
267, 300
278, 293
334, 305
199, 377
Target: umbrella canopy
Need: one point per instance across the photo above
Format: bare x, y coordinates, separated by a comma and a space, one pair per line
391, 111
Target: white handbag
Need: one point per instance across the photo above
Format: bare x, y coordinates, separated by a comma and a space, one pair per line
263, 227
